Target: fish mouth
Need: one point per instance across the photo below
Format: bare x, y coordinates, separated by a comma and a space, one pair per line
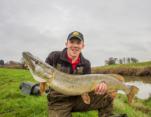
39, 69
28, 56
29, 60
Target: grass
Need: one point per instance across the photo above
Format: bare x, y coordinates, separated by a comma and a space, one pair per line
15, 104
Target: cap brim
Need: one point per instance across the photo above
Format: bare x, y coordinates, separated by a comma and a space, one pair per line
77, 37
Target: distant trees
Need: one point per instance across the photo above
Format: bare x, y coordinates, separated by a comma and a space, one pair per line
13, 64
134, 60
124, 60
111, 61
1, 62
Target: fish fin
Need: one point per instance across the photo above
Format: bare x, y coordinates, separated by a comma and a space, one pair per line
112, 93
42, 87
133, 91
86, 98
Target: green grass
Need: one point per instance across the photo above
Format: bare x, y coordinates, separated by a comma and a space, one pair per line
15, 104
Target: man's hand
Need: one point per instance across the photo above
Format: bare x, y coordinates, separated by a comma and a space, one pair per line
101, 88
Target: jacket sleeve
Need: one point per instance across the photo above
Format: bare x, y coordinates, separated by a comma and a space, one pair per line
51, 59
87, 68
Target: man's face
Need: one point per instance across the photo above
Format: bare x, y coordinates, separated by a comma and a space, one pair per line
74, 47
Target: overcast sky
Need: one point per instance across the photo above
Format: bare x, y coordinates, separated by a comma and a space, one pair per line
111, 28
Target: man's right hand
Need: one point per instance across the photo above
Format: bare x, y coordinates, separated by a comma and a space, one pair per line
101, 88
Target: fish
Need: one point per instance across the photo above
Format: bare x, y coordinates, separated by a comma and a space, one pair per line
73, 85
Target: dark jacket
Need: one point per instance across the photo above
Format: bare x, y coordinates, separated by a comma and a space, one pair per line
58, 59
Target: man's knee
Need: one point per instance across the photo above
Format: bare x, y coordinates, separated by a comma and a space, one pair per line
59, 108
106, 108
102, 100
107, 98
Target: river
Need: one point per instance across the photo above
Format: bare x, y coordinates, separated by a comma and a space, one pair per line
143, 83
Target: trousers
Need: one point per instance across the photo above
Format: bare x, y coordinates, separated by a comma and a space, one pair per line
64, 106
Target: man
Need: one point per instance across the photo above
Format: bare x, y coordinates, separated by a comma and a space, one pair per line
71, 61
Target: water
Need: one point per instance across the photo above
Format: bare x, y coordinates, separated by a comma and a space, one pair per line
144, 85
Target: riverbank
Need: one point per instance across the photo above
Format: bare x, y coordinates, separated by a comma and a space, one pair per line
135, 69
13, 103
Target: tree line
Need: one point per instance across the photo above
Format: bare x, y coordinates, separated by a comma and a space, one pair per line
124, 60
109, 61
1, 62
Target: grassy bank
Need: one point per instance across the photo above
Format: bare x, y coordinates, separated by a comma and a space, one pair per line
135, 69
14, 104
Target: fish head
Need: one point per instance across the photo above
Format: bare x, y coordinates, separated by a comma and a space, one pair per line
41, 71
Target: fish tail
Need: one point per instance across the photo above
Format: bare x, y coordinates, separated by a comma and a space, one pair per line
133, 91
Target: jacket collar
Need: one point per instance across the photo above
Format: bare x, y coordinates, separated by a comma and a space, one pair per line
64, 58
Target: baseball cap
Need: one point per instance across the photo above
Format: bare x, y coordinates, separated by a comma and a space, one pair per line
75, 34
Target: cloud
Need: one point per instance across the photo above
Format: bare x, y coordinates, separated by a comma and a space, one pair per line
111, 28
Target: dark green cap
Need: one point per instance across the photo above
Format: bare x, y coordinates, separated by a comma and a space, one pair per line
75, 34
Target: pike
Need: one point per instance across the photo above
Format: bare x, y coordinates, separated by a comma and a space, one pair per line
72, 85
